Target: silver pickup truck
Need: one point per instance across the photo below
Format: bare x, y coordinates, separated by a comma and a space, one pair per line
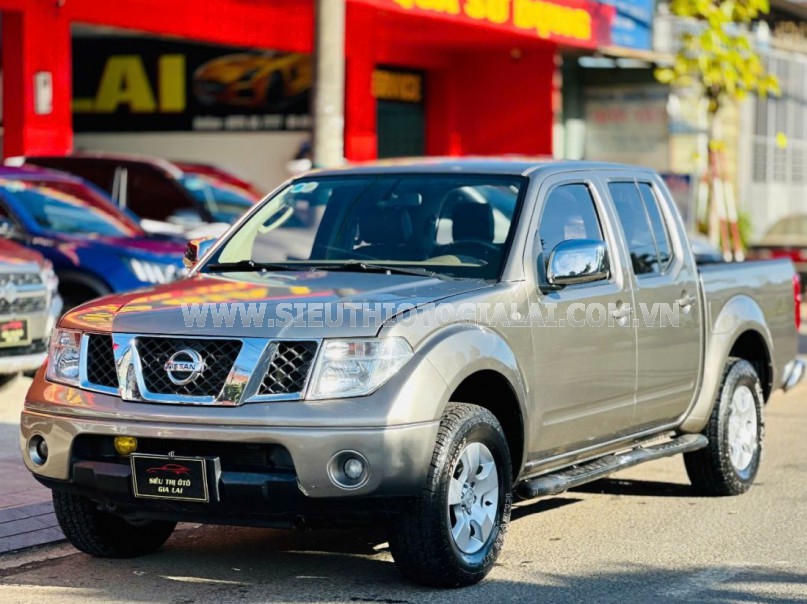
416, 342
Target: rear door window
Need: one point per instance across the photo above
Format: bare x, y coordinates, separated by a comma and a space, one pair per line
643, 226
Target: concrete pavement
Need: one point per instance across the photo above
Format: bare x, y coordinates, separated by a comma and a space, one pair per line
26, 513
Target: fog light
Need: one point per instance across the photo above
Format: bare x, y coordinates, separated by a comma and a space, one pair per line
125, 445
42, 449
354, 468
38, 450
349, 470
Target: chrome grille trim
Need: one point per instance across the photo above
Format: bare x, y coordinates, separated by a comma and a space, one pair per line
83, 377
25, 281
242, 385
29, 293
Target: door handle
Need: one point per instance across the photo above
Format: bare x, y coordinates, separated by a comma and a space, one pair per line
686, 301
621, 313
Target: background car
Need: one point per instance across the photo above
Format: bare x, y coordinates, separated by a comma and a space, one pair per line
222, 177
154, 189
787, 238
30, 305
94, 247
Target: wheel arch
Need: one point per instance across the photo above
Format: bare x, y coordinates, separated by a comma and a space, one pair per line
752, 347
492, 391
740, 330
479, 367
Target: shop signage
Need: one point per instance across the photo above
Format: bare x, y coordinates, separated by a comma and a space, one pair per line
148, 84
581, 23
397, 85
632, 26
628, 124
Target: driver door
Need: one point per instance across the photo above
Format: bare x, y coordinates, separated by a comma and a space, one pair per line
584, 342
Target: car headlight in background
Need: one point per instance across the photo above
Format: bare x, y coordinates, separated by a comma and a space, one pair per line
154, 272
64, 357
356, 367
49, 278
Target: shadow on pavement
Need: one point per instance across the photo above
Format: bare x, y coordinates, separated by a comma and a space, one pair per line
221, 564
640, 488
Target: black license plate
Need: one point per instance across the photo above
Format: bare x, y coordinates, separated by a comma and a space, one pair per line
165, 477
14, 333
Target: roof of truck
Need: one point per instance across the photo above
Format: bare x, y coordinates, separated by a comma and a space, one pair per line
516, 165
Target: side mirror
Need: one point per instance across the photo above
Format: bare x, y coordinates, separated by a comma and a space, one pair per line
196, 249
577, 261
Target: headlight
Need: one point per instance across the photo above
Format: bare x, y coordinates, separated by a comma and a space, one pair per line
154, 272
356, 367
49, 277
64, 357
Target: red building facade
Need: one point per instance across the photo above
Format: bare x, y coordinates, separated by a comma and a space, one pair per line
487, 66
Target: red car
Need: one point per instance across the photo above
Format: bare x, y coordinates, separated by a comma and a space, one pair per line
173, 468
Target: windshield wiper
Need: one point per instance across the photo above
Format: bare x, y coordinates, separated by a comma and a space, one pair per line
369, 267
249, 265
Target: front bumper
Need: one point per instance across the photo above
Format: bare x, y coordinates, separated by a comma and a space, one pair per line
24, 362
40, 326
398, 458
794, 372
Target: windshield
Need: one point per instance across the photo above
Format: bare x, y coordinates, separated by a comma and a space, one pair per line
218, 197
792, 225
453, 225
96, 199
61, 212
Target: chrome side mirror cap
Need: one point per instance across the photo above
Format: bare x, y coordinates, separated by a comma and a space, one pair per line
578, 261
196, 249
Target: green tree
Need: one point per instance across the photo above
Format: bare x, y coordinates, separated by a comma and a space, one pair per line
719, 59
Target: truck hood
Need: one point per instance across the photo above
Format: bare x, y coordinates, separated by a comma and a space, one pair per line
295, 304
15, 254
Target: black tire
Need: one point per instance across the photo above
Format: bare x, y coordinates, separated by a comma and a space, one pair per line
711, 470
77, 288
421, 541
105, 535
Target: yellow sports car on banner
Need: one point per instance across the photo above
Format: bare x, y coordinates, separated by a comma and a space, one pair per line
261, 81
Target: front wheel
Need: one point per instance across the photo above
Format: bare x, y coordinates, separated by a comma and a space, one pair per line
729, 464
454, 531
105, 535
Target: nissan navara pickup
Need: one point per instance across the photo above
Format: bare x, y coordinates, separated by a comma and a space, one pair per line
418, 343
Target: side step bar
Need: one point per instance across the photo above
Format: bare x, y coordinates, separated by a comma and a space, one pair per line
558, 482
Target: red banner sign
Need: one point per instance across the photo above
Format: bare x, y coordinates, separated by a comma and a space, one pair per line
581, 23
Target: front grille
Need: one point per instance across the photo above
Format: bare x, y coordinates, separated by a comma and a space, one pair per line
22, 305
288, 368
218, 355
32, 348
20, 279
101, 361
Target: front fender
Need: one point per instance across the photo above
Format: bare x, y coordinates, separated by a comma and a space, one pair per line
459, 351
737, 316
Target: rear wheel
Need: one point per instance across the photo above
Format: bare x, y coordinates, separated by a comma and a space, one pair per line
729, 464
106, 535
453, 533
